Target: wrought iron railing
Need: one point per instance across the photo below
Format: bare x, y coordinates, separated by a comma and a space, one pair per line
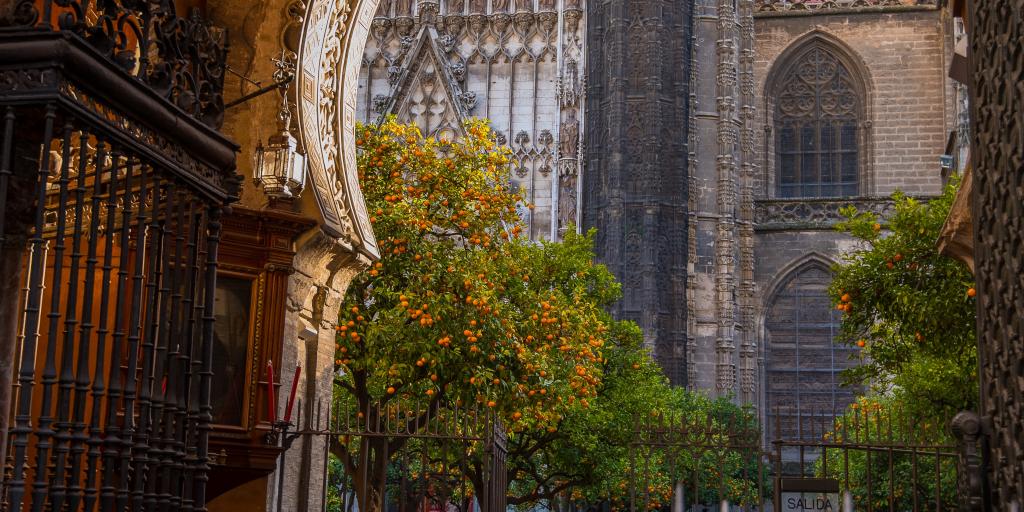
112, 184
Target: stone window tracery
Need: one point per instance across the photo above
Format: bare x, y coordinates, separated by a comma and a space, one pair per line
818, 114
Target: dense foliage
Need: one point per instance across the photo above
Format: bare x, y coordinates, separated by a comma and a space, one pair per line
912, 313
910, 309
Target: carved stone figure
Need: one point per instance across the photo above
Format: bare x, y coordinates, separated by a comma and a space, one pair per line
569, 138
566, 202
499, 6
455, 7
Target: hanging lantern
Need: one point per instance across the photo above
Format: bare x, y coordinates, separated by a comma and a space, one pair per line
280, 168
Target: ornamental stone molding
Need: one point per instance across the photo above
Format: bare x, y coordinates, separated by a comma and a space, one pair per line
813, 214
797, 7
330, 54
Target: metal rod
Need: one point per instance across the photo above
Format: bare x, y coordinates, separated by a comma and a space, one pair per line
280, 84
103, 325
66, 380
205, 377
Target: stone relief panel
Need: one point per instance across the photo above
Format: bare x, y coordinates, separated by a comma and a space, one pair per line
514, 62
807, 6
774, 215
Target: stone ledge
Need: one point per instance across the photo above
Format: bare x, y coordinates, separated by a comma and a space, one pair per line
786, 8
811, 214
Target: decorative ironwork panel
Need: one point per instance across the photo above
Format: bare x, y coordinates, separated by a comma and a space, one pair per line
112, 401
181, 59
817, 114
997, 107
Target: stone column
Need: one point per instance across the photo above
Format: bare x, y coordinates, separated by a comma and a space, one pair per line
635, 191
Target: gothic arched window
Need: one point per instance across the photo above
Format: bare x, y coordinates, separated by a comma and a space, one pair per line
803, 360
818, 112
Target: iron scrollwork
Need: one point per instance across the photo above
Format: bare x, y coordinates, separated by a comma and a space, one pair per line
182, 59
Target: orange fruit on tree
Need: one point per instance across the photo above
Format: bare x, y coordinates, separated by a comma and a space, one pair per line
971, 292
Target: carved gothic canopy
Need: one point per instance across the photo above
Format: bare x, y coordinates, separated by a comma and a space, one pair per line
330, 53
818, 114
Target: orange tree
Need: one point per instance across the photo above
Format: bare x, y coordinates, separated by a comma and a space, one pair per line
910, 309
460, 310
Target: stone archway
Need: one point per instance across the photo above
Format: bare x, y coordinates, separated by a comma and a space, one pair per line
330, 52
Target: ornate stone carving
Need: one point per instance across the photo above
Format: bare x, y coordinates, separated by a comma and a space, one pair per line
468, 101
326, 113
777, 214
567, 202
458, 68
642, 190
380, 103
427, 91
808, 6
428, 11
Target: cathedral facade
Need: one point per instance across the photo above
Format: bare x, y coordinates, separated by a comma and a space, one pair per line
711, 143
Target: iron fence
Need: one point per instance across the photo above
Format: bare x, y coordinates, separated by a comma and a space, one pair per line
882, 458
411, 456
869, 458
691, 463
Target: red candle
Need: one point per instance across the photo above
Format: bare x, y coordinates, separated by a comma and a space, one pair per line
291, 397
271, 410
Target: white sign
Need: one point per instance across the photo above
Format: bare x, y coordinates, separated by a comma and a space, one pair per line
808, 501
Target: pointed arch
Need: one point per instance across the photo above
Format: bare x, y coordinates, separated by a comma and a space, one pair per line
818, 106
803, 357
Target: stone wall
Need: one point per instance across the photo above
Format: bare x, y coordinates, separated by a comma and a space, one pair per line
902, 55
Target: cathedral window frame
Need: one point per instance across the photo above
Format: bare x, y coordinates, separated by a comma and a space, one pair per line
779, 72
784, 278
